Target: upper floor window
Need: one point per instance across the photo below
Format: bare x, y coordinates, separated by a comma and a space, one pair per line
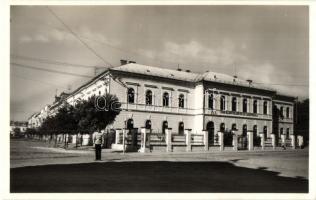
255, 106
131, 95
165, 99
211, 101
281, 112
181, 101
234, 104
149, 97
223, 102
287, 112
244, 105
265, 107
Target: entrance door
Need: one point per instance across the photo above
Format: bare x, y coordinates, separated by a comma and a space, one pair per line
210, 129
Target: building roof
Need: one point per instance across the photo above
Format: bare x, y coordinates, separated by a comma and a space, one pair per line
186, 76
159, 72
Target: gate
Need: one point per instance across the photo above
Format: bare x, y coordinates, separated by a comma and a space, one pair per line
242, 142
132, 139
228, 138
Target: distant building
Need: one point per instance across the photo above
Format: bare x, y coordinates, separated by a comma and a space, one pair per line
17, 124
159, 98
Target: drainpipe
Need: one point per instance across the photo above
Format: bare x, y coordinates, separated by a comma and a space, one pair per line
203, 105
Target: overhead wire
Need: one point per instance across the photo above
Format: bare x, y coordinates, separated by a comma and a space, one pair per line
49, 70
48, 61
75, 34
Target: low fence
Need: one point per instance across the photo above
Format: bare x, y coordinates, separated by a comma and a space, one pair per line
146, 140
131, 140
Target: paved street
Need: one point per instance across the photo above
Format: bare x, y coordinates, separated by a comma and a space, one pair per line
37, 167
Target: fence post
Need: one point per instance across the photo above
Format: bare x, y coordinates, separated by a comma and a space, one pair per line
168, 139
85, 139
293, 141
123, 140
187, 133
283, 140
273, 140
221, 140
250, 140
117, 135
262, 140
205, 139
143, 146
235, 142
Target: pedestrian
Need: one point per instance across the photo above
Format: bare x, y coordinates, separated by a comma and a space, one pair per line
98, 141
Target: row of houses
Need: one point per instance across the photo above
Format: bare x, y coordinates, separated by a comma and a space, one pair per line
160, 98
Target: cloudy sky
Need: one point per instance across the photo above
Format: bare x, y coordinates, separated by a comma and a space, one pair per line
268, 44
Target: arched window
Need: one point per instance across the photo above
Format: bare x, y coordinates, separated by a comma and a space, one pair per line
210, 129
234, 104
244, 130
165, 99
211, 102
149, 97
222, 127
287, 133
148, 124
265, 107
234, 127
255, 130
223, 105
181, 101
255, 106
265, 132
287, 112
164, 126
244, 105
181, 128
131, 95
130, 124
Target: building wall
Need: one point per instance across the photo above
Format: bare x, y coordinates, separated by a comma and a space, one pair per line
285, 123
195, 115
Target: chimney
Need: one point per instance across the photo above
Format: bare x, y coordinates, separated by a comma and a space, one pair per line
179, 69
249, 81
123, 62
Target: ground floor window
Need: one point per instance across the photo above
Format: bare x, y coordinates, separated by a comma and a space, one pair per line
181, 128
148, 124
164, 126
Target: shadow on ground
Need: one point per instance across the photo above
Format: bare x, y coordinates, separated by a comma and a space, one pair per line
158, 176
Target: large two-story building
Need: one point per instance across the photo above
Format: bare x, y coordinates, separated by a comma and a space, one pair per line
159, 98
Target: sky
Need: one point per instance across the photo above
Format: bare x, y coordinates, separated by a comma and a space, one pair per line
267, 44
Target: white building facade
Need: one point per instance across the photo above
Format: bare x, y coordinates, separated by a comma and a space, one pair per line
158, 98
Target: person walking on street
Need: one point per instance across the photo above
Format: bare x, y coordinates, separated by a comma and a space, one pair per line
98, 141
